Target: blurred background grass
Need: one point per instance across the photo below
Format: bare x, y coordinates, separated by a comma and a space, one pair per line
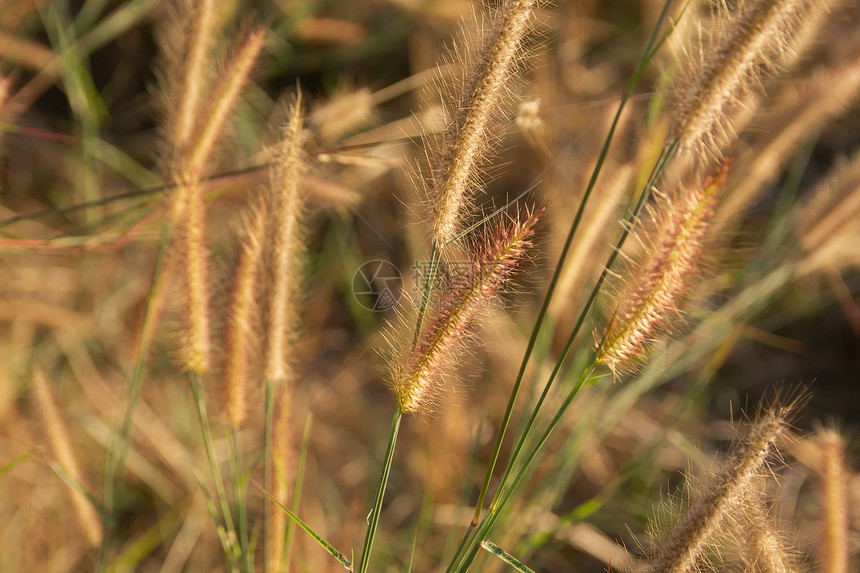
82, 125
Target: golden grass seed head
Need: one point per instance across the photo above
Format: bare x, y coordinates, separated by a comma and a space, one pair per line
196, 71
284, 229
465, 144
710, 511
719, 70
195, 350
833, 550
238, 336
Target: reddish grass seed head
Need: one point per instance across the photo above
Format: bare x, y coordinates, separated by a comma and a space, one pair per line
653, 288
417, 379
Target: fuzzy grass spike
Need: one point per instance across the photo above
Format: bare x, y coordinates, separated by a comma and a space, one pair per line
416, 381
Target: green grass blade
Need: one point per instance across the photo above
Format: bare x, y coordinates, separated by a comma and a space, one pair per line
653, 44
412, 553
148, 541
307, 528
11, 465
298, 486
505, 556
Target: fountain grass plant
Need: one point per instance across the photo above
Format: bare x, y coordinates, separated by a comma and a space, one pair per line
550, 367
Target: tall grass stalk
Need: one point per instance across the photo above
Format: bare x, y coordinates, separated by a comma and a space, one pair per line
650, 50
373, 522
226, 514
700, 103
119, 445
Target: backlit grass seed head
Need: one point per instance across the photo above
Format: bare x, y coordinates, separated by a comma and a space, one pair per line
284, 229
827, 227
798, 109
731, 486
195, 350
61, 446
239, 338
195, 71
210, 125
753, 36
653, 288
466, 141
417, 378
764, 548
343, 114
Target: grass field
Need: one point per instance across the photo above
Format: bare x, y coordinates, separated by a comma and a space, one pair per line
300, 285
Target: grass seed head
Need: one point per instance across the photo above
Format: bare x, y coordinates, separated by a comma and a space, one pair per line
722, 66
833, 490
195, 71
61, 446
714, 509
471, 110
239, 338
195, 350
284, 230
654, 287
417, 378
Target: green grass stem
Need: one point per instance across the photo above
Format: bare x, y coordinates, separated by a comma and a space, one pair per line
234, 438
267, 462
650, 51
194, 380
373, 523
290, 533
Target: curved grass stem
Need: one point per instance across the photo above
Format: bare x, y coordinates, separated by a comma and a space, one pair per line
499, 500
653, 44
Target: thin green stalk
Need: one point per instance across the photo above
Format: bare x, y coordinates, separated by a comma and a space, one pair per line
290, 533
467, 539
383, 481
498, 499
435, 253
643, 198
267, 464
487, 524
239, 495
604, 152
209, 443
118, 450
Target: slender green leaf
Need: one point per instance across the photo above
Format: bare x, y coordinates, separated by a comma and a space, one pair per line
505, 556
323, 543
9, 466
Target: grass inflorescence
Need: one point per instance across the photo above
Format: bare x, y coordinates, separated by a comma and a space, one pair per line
204, 266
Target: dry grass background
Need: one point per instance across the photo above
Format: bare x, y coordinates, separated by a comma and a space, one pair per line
84, 121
